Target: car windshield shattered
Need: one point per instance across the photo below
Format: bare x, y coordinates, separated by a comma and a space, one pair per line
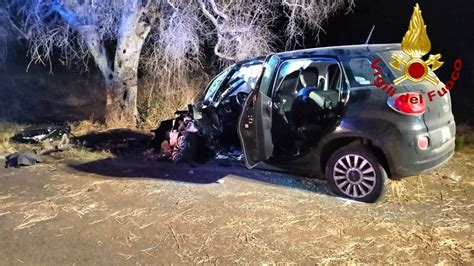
215, 84
238, 78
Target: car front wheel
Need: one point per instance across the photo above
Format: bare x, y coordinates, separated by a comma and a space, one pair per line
354, 172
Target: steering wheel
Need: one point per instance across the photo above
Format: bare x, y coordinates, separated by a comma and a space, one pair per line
241, 97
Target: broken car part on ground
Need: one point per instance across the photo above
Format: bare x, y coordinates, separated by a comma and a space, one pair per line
18, 159
39, 133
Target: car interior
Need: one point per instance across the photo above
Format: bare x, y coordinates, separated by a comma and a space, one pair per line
305, 102
224, 101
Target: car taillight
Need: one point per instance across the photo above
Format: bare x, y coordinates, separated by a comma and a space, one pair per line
409, 103
423, 143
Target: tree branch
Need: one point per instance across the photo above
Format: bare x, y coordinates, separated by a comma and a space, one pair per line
16, 29
218, 29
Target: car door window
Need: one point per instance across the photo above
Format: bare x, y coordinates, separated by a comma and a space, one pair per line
267, 77
320, 76
305, 98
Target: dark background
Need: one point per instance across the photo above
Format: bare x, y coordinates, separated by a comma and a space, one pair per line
449, 27
38, 96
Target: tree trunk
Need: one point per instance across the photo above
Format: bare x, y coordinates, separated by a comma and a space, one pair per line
121, 103
121, 79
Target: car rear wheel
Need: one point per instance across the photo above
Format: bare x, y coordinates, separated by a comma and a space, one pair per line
354, 172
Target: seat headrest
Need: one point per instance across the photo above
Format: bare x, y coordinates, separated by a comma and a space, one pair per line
309, 77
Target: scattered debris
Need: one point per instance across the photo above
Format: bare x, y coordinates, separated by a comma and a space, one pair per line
18, 159
179, 140
232, 154
455, 177
61, 145
40, 133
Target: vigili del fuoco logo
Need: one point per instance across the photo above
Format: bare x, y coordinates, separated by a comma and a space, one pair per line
416, 45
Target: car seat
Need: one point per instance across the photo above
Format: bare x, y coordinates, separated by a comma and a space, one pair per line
305, 110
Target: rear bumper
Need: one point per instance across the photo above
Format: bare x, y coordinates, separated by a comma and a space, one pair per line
417, 164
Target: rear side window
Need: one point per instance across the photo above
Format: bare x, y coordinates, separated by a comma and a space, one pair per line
361, 71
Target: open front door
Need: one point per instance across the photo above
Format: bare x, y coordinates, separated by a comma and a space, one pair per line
254, 128
255, 122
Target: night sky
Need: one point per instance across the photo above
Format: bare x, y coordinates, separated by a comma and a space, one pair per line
448, 26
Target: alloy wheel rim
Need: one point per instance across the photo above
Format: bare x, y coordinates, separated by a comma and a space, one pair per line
354, 176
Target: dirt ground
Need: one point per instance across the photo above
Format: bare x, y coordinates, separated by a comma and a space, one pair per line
129, 211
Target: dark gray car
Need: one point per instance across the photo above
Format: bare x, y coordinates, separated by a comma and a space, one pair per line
318, 112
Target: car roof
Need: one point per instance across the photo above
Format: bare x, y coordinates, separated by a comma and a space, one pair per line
258, 59
340, 51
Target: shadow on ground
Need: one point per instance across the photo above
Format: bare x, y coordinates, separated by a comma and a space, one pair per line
117, 141
212, 172
128, 146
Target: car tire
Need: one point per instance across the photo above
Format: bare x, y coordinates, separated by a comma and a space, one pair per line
354, 172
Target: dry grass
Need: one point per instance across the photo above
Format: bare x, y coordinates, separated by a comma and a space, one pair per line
84, 127
158, 104
80, 153
246, 222
395, 189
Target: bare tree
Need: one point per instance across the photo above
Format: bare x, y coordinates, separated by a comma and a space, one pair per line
79, 29
164, 37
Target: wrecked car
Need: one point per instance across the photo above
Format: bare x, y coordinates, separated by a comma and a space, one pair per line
317, 112
215, 114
